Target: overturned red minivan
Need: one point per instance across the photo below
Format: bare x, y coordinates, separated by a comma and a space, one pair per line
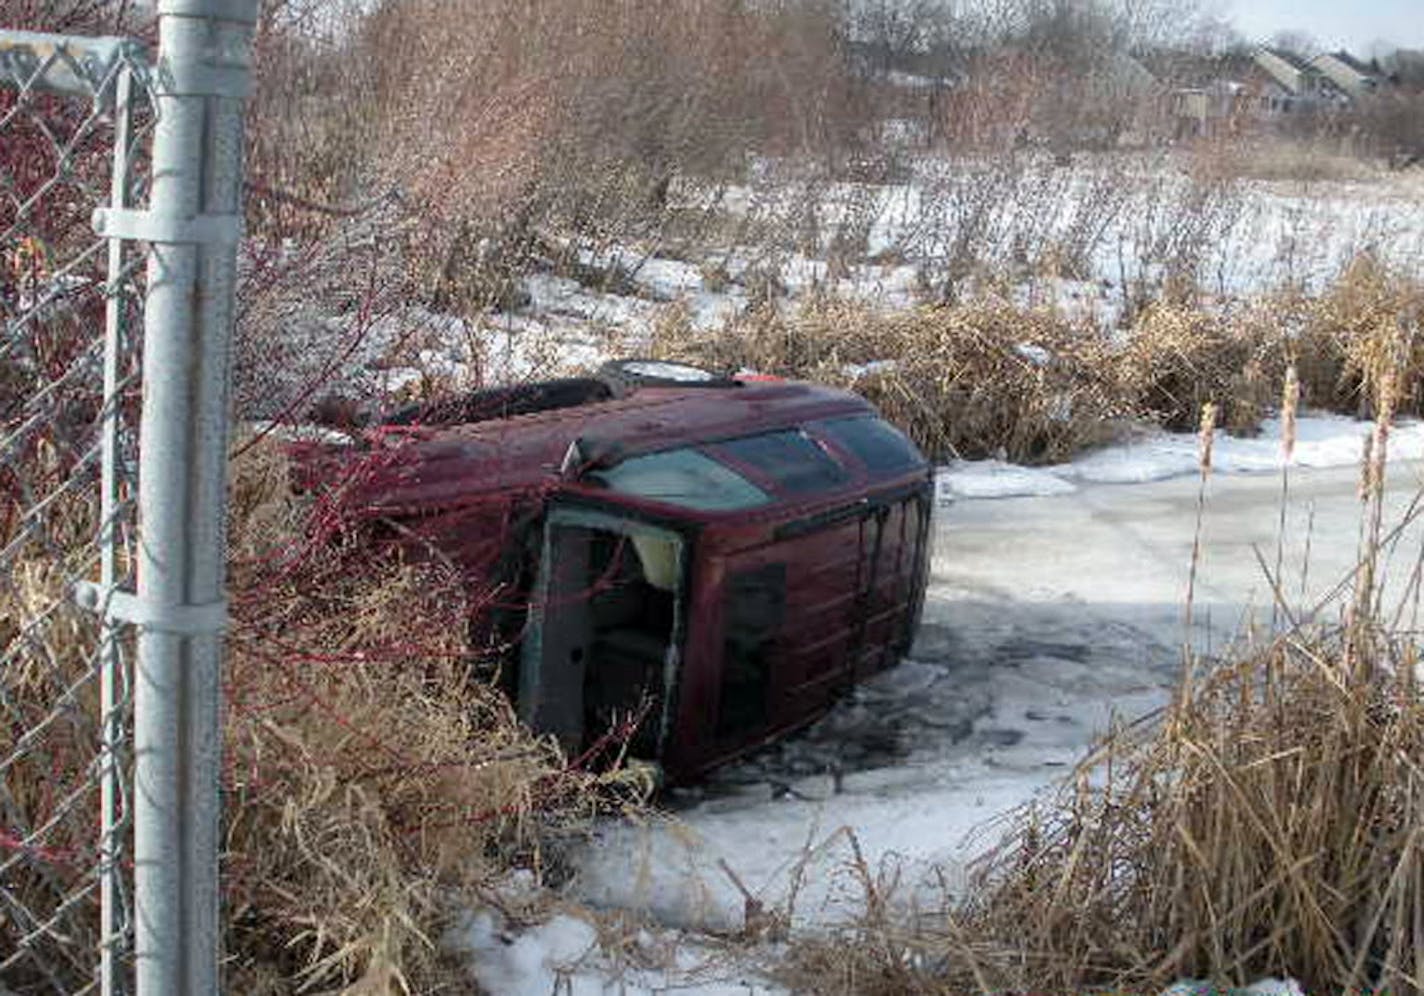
717, 558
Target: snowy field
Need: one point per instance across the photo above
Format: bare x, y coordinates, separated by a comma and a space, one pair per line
1055, 609
1082, 239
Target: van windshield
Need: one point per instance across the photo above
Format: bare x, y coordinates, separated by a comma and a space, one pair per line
683, 477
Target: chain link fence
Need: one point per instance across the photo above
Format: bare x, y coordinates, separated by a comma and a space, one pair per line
74, 119
108, 845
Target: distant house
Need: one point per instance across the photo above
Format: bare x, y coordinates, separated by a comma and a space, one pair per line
1325, 81
1292, 74
1352, 77
1203, 92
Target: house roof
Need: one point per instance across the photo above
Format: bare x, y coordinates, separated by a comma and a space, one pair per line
1354, 63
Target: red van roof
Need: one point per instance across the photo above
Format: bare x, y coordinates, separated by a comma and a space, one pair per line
452, 465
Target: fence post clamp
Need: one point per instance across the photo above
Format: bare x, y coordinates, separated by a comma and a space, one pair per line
156, 227
184, 620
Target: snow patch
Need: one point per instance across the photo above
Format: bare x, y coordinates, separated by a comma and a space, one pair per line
1321, 441
997, 479
1266, 987
563, 955
533, 963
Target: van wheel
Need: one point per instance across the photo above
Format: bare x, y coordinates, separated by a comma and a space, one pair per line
624, 376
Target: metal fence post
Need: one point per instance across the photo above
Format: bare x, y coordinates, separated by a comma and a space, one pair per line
202, 76
113, 904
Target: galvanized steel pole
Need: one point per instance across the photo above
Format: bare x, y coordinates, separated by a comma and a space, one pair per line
193, 225
113, 907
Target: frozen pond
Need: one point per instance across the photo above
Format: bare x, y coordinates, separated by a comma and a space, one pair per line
1049, 614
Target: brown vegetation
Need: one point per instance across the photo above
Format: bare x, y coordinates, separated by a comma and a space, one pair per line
554, 117
988, 377
374, 786
1267, 824
434, 151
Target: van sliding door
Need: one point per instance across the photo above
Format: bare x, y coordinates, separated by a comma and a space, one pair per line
605, 632
788, 625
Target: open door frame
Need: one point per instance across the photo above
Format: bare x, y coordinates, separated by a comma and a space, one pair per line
551, 698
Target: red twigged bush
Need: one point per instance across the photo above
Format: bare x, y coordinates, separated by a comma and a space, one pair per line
375, 784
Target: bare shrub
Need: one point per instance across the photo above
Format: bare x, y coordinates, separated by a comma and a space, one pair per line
375, 786
1175, 225
77, 17
556, 118
1178, 359
1391, 124
992, 108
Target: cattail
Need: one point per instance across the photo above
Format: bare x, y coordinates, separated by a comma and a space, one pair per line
1377, 452
1206, 436
1388, 397
1366, 462
1290, 403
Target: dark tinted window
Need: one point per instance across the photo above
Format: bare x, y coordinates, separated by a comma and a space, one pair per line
883, 448
792, 460
754, 610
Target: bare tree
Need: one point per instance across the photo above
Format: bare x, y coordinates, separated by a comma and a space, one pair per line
1298, 43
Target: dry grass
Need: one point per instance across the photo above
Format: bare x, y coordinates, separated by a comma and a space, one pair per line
374, 785
1180, 357
989, 377
968, 381
48, 741
1366, 325
1297, 161
1269, 824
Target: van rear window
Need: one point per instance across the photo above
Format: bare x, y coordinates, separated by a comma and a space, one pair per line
883, 448
683, 477
790, 459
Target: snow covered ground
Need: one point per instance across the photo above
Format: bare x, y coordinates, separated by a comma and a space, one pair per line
1056, 599
1055, 609
1109, 223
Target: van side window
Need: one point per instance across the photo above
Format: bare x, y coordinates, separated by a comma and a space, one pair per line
753, 612
883, 448
789, 458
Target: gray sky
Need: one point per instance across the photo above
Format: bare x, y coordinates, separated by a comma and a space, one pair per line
1353, 24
